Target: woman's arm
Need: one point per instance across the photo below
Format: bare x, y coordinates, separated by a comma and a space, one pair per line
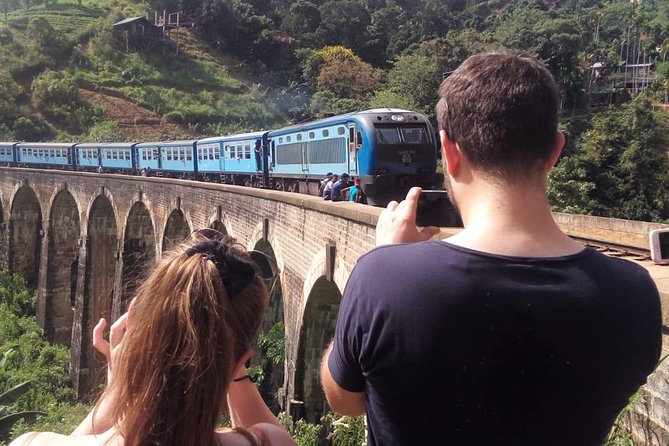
246, 405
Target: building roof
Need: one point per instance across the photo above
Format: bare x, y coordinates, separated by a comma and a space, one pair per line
130, 20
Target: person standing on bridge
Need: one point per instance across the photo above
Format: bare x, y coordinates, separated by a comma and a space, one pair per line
178, 355
509, 332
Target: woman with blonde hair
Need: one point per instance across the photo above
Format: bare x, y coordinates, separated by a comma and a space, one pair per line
176, 358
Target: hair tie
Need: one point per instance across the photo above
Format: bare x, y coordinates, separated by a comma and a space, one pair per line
235, 268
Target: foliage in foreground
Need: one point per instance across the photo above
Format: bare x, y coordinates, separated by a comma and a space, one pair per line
45, 366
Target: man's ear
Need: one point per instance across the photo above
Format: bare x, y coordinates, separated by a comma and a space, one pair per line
560, 142
451, 154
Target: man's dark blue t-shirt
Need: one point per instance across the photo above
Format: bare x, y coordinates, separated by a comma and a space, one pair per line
458, 347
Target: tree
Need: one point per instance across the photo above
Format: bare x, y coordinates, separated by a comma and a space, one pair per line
303, 18
415, 79
621, 169
353, 79
344, 22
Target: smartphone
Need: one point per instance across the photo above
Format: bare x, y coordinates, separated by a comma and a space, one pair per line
659, 245
435, 209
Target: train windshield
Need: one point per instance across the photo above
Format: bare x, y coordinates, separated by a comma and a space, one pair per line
393, 134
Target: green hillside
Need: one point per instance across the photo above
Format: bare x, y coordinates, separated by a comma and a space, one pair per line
64, 76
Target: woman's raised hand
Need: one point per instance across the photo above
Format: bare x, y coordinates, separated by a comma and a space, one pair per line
112, 348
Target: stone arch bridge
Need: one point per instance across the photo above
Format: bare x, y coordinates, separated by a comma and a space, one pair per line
85, 238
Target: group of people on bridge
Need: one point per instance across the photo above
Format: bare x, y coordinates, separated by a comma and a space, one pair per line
507, 333
338, 188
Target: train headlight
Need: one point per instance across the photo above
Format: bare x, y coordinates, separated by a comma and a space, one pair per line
397, 118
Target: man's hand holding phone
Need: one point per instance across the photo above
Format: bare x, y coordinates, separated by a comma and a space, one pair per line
397, 222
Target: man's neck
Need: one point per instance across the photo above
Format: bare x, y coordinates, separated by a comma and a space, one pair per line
512, 220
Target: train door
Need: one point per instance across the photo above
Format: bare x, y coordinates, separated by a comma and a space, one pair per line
353, 147
71, 157
301, 140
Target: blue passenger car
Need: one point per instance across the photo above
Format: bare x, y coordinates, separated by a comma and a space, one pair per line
112, 157
389, 150
232, 156
49, 155
169, 158
7, 152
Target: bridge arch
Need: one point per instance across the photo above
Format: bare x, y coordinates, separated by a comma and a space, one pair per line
176, 230
220, 222
62, 265
318, 320
25, 234
100, 271
139, 249
273, 325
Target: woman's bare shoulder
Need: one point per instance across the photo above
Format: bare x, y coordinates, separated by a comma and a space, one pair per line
274, 435
266, 434
53, 439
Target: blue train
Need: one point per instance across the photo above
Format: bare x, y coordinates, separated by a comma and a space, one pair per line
389, 150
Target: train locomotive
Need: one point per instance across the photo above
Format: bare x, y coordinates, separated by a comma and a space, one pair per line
389, 150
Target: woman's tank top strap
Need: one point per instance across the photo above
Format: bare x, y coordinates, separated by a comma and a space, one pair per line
254, 436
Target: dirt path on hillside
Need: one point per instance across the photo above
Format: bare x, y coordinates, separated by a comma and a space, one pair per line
135, 123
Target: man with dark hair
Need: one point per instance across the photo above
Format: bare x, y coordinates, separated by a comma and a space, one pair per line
338, 186
509, 332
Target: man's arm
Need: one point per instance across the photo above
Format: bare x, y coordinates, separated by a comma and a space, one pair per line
340, 400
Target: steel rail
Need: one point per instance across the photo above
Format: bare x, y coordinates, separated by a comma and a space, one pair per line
615, 249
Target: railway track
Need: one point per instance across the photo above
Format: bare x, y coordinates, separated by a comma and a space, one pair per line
615, 249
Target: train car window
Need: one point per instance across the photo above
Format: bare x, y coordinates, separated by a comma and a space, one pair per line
182, 156
247, 151
326, 133
127, 155
312, 135
299, 137
189, 155
288, 139
52, 153
341, 130
358, 139
155, 154
387, 135
114, 154
144, 154
217, 155
414, 135
280, 140
327, 151
95, 154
